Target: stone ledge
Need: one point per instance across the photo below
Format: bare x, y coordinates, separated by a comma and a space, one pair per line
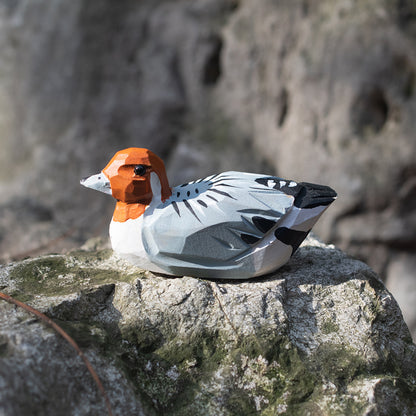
322, 334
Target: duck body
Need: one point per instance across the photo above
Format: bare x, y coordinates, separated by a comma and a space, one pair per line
232, 225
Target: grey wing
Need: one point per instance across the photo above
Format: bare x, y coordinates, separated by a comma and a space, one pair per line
212, 221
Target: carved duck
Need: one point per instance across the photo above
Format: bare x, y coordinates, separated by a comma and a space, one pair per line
231, 225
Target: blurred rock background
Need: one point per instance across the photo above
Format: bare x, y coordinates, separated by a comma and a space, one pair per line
317, 91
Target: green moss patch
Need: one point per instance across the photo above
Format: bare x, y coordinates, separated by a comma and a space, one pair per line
57, 275
336, 363
329, 326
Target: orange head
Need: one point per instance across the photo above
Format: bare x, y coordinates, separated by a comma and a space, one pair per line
129, 175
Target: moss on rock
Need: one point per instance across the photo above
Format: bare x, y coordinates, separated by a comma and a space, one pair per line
58, 275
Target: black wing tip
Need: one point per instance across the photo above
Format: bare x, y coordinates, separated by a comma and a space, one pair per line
307, 195
312, 195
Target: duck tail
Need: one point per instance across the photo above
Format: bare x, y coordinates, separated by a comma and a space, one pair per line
312, 195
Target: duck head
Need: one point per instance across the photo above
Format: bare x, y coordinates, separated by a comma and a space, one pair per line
127, 177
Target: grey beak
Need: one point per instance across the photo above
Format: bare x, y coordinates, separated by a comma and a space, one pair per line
99, 182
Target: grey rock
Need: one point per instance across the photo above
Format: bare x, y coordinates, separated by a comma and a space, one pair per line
401, 283
321, 335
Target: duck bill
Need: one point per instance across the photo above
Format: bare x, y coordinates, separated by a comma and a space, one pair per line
99, 182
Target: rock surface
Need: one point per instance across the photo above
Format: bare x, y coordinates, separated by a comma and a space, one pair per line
320, 336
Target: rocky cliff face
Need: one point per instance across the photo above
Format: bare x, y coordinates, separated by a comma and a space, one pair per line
322, 335
322, 93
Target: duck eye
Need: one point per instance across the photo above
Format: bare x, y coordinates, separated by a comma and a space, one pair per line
139, 170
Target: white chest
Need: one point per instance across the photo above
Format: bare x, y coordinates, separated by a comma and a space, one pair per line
126, 237
126, 241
